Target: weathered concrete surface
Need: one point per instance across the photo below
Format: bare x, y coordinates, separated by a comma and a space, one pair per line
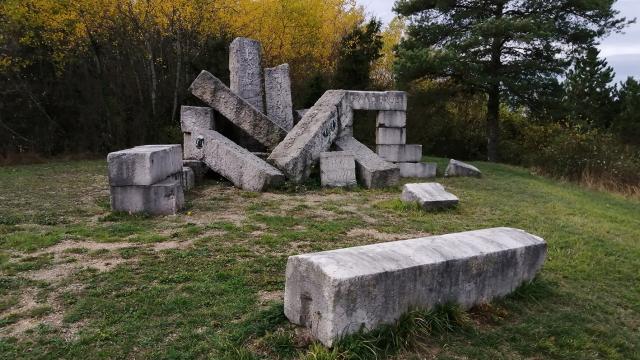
277, 84
391, 136
430, 196
400, 153
298, 115
372, 170
163, 198
233, 162
216, 94
245, 66
338, 169
144, 165
313, 135
458, 168
196, 117
198, 167
188, 178
392, 119
377, 100
335, 293
418, 170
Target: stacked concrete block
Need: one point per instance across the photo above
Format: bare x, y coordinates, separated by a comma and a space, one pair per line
372, 171
277, 85
340, 292
430, 196
400, 153
338, 169
146, 179
418, 170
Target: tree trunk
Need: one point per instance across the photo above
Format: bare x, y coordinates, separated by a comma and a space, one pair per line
493, 123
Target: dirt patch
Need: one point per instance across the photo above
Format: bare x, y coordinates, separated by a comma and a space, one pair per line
266, 297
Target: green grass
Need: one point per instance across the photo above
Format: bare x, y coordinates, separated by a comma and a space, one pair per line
220, 296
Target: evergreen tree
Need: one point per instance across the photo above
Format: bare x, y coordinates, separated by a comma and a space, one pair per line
627, 123
510, 50
589, 91
358, 52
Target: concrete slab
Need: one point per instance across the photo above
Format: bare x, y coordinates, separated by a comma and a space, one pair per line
245, 67
392, 119
377, 100
372, 171
163, 198
400, 153
337, 293
216, 94
233, 162
418, 170
338, 169
277, 84
144, 165
313, 135
458, 168
430, 196
391, 136
196, 117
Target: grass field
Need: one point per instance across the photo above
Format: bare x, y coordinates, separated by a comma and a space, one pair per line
80, 282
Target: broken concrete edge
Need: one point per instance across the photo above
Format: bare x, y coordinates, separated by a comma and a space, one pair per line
340, 292
216, 94
233, 162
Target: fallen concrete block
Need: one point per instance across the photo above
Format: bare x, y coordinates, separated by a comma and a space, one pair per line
377, 100
144, 165
400, 153
458, 168
372, 170
392, 119
298, 115
216, 94
430, 196
233, 162
391, 136
196, 117
198, 167
418, 170
245, 67
277, 85
337, 293
188, 178
337, 169
313, 135
163, 198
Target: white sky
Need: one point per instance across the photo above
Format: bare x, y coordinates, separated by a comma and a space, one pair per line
622, 50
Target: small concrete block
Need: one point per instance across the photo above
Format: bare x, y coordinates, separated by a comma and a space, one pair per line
188, 178
163, 198
233, 162
418, 170
458, 168
372, 171
392, 119
216, 94
198, 167
430, 196
313, 135
338, 169
245, 67
144, 165
400, 153
196, 117
277, 85
337, 293
391, 136
377, 100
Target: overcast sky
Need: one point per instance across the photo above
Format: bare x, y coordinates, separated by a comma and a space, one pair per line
622, 50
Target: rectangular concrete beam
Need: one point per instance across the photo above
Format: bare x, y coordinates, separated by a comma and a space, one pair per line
233, 162
277, 84
372, 170
337, 169
196, 117
377, 100
336, 293
245, 67
430, 196
400, 153
391, 136
392, 119
313, 135
144, 165
163, 198
418, 170
216, 94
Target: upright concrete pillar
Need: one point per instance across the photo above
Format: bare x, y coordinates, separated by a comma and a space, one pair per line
277, 85
245, 65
